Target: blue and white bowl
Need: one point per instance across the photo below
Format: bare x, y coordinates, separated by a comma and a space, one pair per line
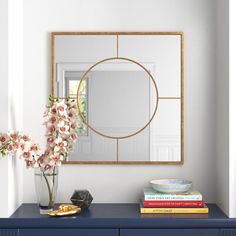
171, 185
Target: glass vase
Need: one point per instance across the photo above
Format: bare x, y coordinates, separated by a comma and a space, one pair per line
46, 182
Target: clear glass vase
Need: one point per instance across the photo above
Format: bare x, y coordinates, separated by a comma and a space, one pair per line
46, 183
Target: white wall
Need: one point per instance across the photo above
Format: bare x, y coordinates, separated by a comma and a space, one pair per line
11, 99
4, 65
4, 101
222, 105
15, 96
232, 110
124, 183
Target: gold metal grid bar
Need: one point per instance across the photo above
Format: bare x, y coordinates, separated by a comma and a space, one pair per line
169, 98
117, 46
117, 150
64, 97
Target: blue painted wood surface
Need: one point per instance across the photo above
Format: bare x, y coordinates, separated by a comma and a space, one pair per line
69, 232
117, 216
169, 232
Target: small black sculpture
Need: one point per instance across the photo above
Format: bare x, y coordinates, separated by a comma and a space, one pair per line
81, 198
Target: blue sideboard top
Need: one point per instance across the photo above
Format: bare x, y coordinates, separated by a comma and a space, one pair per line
116, 216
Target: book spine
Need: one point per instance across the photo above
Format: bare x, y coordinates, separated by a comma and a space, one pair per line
173, 203
173, 197
173, 210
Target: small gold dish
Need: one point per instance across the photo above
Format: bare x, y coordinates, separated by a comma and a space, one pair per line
65, 210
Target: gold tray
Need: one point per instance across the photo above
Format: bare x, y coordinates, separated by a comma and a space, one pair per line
65, 210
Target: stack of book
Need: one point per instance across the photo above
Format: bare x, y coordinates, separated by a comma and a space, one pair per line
187, 202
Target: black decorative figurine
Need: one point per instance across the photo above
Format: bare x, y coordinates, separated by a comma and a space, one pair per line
81, 198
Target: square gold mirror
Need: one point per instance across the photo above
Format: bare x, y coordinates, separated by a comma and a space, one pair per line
129, 92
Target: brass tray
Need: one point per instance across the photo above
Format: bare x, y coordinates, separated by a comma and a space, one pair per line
65, 210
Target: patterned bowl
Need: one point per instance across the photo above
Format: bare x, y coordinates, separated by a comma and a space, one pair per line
171, 185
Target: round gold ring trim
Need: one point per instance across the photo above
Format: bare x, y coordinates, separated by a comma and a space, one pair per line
84, 78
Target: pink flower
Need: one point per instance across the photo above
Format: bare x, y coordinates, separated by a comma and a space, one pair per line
60, 107
63, 127
34, 148
26, 137
47, 152
15, 146
26, 155
13, 135
30, 163
50, 141
40, 160
64, 118
74, 125
10, 148
22, 146
53, 120
3, 138
51, 129
71, 115
55, 160
60, 145
54, 111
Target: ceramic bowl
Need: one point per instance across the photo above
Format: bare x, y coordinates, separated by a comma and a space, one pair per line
171, 185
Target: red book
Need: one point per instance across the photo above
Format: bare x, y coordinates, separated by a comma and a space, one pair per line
175, 204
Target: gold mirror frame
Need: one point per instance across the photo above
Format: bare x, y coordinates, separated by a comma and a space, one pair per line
181, 34
84, 78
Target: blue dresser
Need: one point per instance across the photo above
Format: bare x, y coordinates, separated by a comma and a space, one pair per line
117, 220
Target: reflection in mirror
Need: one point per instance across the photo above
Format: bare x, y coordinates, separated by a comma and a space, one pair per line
72, 79
120, 97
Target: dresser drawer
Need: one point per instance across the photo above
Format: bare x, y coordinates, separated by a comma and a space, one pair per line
8, 232
169, 232
228, 232
68, 232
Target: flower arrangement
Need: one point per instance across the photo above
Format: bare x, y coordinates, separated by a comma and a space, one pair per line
61, 122
61, 131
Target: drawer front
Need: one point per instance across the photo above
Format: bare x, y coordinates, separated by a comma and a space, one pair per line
169, 232
8, 232
68, 232
228, 232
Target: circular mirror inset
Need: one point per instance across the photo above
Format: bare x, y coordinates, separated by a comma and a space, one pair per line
122, 97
